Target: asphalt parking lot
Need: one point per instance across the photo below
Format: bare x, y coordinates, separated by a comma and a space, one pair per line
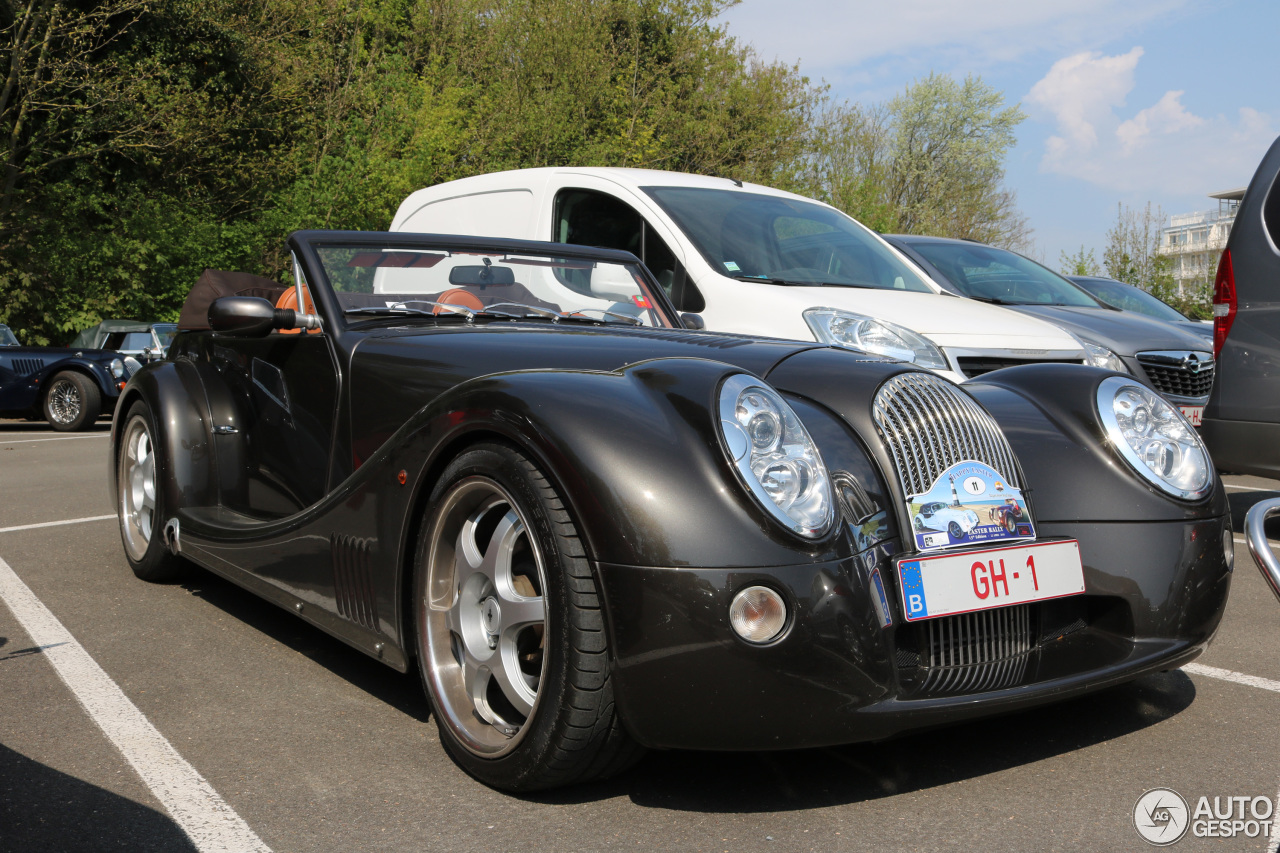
311, 746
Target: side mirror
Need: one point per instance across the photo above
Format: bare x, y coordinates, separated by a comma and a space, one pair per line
693, 321
242, 316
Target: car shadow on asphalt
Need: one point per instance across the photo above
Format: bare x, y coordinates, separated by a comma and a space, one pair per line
45, 809
805, 779
401, 691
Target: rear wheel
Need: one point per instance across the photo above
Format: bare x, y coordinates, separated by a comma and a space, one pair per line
72, 401
511, 641
140, 502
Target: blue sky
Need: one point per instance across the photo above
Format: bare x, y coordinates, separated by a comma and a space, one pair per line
1159, 101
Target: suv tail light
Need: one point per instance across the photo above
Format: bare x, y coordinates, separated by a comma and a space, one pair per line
1224, 302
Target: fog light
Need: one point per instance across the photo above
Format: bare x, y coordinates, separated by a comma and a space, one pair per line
1229, 548
758, 614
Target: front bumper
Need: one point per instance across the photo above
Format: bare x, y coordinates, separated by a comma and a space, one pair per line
1155, 593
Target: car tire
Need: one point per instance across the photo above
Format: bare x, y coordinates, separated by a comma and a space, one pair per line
140, 500
72, 401
956, 531
511, 643
1010, 523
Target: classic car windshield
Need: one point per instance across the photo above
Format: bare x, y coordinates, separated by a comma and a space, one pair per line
752, 236
996, 275
491, 284
7, 338
165, 332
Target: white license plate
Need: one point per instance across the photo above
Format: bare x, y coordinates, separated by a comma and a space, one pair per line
1195, 414
947, 584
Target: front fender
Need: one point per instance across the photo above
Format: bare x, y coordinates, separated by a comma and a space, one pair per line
175, 396
1049, 414
636, 454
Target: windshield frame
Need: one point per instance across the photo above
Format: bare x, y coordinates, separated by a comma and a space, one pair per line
8, 338
879, 252
307, 243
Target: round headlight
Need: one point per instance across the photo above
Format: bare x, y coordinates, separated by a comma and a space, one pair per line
1154, 438
774, 456
117, 368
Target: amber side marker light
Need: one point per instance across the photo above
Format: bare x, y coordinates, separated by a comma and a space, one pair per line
758, 614
403, 476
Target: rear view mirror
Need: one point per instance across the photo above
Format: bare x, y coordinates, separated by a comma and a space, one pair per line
480, 276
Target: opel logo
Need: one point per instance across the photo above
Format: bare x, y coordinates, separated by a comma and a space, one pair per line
1191, 364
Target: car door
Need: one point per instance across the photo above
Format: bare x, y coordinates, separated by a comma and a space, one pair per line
590, 212
286, 392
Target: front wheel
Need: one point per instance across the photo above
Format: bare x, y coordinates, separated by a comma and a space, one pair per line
72, 401
511, 641
140, 500
956, 531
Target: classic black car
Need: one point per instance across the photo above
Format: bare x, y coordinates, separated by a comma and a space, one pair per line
69, 388
506, 464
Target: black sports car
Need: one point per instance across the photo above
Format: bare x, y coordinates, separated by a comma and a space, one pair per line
68, 387
593, 531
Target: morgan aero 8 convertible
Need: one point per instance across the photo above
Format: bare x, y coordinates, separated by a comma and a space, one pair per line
592, 530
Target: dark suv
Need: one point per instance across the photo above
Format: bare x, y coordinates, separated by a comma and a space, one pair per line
1242, 419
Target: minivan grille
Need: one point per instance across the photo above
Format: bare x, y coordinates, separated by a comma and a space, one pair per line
1185, 376
928, 424
27, 366
972, 365
973, 652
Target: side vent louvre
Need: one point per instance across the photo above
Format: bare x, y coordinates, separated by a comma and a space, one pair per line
353, 580
27, 366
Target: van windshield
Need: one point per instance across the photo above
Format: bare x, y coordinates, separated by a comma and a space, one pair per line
749, 236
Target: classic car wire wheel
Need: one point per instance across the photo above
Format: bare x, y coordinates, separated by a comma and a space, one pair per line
486, 617
65, 402
137, 488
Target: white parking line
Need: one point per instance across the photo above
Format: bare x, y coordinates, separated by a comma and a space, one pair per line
1248, 488
56, 523
194, 805
1235, 677
60, 438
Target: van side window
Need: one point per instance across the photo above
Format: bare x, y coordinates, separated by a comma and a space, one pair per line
590, 218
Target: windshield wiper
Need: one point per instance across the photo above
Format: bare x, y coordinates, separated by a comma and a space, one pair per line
995, 300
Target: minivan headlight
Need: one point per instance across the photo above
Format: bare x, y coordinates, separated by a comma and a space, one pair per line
1099, 356
1154, 438
880, 337
775, 457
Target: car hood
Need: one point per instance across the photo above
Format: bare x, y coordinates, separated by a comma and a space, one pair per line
945, 320
1122, 332
57, 353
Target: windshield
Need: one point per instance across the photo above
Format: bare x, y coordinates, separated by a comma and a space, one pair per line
750, 236
997, 275
7, 338
1130, 298
165, 332
494, 285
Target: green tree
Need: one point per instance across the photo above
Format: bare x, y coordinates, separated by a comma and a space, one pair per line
929, 161
1081, 262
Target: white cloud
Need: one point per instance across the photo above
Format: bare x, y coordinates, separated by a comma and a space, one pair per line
1167, 116
1081, 90
1161, 149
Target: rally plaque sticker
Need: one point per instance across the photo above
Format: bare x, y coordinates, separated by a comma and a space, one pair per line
969, 503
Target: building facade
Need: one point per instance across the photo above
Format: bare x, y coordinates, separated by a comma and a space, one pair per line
1196, 240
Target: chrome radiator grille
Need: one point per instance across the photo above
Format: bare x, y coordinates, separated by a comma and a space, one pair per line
928, 424
1178, 373
979, 651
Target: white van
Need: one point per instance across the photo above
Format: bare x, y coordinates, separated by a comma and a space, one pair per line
748, 259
